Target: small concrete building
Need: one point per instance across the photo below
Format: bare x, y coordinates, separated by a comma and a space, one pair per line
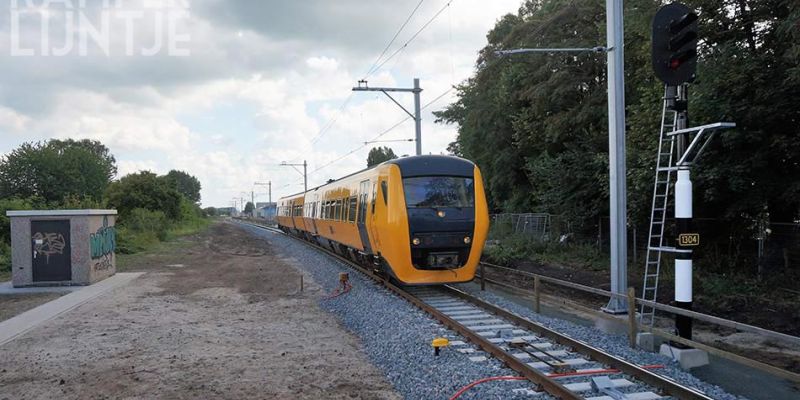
266, 210
62, 247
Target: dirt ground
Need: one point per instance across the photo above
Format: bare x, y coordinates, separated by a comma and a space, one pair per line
13, 304
219, 316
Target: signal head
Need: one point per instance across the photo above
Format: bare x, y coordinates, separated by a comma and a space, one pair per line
674, 44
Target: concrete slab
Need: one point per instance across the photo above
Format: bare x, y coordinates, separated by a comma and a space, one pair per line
646, 341
687, 358
22, 323
8, 288
571, 362
631, 396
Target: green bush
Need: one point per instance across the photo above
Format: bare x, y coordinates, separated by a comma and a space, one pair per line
140, 220
526, 248
144, 190
5, 222
5, 257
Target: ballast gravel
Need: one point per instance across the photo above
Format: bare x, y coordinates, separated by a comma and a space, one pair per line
397, 336
613, 344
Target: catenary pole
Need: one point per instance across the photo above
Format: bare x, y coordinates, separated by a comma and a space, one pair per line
417, 115
616, 151
618, 237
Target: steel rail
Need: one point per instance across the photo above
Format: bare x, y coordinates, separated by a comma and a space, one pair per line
667, 385
740, 326
548, 384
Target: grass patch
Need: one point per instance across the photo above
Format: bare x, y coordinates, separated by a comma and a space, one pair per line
148, 245
5, 262
522, 247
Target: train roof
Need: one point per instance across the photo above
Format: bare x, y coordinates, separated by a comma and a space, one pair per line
413, 166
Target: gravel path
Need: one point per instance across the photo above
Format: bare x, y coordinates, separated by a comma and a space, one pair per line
397, 336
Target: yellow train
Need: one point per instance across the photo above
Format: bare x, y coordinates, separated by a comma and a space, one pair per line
421, 220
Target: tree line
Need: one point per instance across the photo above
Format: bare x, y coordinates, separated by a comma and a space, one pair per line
536, 124
72, 174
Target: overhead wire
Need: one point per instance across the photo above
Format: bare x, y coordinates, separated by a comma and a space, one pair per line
414, 36
370, 70
376, 67
384, 132
344, 104
325, 128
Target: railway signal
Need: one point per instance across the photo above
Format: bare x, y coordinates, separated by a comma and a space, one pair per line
674, 44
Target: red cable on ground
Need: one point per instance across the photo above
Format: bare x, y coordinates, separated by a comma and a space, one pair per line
519, 378
479, 381
338, 292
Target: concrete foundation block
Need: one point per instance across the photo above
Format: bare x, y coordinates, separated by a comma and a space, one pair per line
687, 358
646, 341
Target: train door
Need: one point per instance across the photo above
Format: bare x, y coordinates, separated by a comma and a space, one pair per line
313, 214
363, 209
373, 229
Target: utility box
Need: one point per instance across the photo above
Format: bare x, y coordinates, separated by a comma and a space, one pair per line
62, 247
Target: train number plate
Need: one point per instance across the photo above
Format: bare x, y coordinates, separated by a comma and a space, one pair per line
689, 239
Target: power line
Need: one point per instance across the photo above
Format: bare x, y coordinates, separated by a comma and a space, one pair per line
391, 128
370, 70
332, 121
414, 36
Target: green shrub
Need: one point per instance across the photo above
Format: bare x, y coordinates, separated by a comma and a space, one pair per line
522, 247
5, 257
140, 220
5, 222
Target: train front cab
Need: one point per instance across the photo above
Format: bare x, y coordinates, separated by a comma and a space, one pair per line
436, 219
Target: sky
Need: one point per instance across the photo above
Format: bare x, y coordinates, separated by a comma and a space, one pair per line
227, 90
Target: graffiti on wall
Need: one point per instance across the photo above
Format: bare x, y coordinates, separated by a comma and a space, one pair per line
103, 243
48, 244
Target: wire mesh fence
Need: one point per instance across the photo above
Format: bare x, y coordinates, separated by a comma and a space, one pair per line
758, 249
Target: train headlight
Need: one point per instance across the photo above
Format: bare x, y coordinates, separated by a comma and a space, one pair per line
467, 240
415, 241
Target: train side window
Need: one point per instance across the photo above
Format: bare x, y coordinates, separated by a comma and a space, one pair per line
351, 216
333, 210
385, 191
339, 210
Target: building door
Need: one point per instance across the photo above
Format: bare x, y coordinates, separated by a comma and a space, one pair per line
51, 259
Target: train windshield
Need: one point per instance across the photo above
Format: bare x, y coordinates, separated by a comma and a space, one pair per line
439, 192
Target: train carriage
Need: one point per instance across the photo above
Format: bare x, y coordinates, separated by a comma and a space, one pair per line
422, 220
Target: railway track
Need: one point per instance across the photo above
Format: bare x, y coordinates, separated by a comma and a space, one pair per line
555, 363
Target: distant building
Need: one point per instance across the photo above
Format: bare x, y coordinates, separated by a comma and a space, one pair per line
226, 211
266, 210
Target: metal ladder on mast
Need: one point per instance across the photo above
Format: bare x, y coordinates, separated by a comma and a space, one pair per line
658, 211
668, 161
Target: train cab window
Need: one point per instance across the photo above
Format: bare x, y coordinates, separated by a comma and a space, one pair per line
439, 192
385, 192
351, 215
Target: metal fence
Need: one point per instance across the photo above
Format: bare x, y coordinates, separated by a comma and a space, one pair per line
758, 249
538, 226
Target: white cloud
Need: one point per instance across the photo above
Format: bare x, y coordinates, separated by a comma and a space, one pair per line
12, 121
262, 80
322, 63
